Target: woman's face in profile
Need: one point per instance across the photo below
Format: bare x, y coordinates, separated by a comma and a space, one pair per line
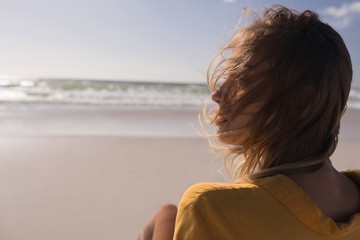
239, 122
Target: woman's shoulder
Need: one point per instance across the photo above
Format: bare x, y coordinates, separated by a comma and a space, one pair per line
209, 191
354, 174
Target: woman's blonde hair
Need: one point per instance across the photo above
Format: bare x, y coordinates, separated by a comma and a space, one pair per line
301, 69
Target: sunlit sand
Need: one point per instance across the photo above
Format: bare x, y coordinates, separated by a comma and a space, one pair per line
106, 186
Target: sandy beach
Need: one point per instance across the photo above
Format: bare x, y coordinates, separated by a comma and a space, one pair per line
95, 185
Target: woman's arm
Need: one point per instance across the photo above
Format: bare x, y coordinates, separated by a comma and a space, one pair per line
162, 225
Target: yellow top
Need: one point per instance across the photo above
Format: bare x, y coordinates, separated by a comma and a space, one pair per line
269, 208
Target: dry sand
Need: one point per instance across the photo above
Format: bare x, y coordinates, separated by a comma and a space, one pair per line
77, 188
93, 188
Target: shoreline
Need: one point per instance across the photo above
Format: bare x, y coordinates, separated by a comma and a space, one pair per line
94, 121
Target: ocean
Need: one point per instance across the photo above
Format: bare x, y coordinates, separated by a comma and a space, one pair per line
57, 107
103, 93
113, 93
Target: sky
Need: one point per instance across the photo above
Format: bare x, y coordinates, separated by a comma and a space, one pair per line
140, 40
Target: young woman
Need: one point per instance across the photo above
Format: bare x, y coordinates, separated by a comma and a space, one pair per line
281, 88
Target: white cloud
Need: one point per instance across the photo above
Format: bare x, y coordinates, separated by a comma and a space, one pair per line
229, 1
343, 10
344, 15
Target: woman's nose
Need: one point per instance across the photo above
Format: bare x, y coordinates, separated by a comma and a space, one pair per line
216, 96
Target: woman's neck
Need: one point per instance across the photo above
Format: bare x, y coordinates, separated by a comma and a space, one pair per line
335, 194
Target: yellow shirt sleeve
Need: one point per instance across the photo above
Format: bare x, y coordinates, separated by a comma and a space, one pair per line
190, 224
198, 217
